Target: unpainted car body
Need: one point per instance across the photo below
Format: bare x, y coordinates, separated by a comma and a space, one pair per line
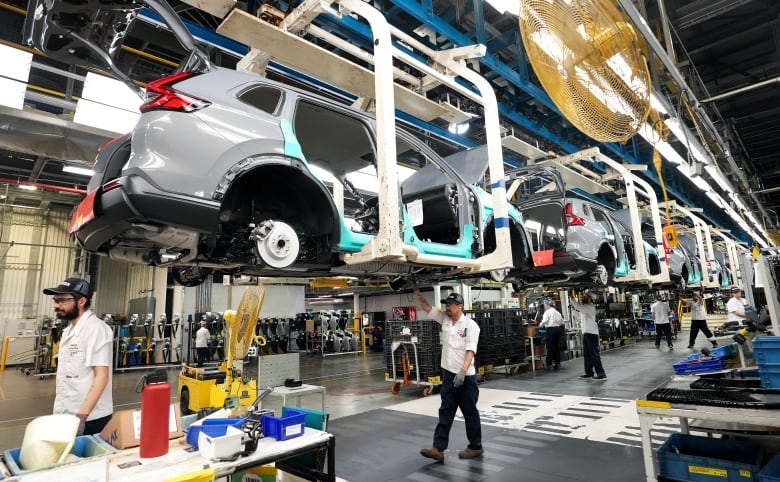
575, 239
221, 170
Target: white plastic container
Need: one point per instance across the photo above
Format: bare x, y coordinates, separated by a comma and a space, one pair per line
48, 440
225, 446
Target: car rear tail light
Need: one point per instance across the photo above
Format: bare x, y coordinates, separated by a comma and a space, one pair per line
160, 96
108, 143
112, 184
571, 219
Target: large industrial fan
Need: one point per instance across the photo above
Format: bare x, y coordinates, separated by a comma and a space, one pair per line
588, 59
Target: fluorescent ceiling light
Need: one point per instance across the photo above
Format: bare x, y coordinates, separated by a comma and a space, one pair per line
27, 187
700, 183
511, 6
16, 63
78, 170
657, 103
716, 176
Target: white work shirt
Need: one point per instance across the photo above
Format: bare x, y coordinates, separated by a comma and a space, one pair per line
698, 311
87, 345
456, 339
551, 318
660, 312
202, 337
735, 305
587, 316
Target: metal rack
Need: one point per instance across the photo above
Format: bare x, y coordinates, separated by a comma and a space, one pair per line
649, 411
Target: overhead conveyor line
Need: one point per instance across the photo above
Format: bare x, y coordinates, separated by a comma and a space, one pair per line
698, 227
731, 254
577, 174
445, 67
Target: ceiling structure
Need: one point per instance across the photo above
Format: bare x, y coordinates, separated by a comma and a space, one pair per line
725, 51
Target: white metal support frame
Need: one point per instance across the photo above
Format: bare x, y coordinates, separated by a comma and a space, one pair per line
442, 67
699, 226
731, 253
767, 260
647, 191
575, 173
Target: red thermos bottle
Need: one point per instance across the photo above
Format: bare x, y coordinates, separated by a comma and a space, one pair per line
155, 412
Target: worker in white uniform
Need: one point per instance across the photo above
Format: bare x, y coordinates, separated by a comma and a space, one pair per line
459, 339
590, 338
699, 320
84, 375
663, 328
553, 323
202, 337
736, 306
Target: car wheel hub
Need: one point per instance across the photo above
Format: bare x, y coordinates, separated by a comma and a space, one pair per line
277, 243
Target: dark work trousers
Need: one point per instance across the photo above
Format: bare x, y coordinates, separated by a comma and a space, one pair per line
464, 397
663, 329
553, 335
697, 325
91, 427
203, 355
590, 351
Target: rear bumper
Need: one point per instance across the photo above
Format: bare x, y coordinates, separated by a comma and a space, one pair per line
564, 265
136, 201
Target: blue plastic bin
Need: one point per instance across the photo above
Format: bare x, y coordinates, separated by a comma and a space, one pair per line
703, 459
686, 367
84, 446
290, 425
771, 471
766, 350
213, 427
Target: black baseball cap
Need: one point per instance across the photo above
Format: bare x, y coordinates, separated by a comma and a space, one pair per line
736, 289
453, 298
76, 286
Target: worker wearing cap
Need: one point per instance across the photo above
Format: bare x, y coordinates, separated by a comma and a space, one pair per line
202, 343
459, 337
736, 306
699, 320
590, 338
84, 359
552, 322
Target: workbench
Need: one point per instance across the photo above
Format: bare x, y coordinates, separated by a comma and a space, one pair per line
181, 459
297, 393
649, 411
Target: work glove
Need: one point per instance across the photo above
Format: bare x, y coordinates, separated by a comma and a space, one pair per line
459, 379
82, 421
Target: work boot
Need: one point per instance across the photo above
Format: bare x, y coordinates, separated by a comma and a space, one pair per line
714, 343
433, 453
469, 453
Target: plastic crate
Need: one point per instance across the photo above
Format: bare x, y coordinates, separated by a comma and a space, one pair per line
700, 365
84, 446
290, 425
766, 349
769, 373
771, 471
703, 459
213, 427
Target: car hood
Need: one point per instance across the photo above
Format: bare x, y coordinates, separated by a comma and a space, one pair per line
91, 33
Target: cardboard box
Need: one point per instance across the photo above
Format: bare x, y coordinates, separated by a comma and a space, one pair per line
124, 429
530, 331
